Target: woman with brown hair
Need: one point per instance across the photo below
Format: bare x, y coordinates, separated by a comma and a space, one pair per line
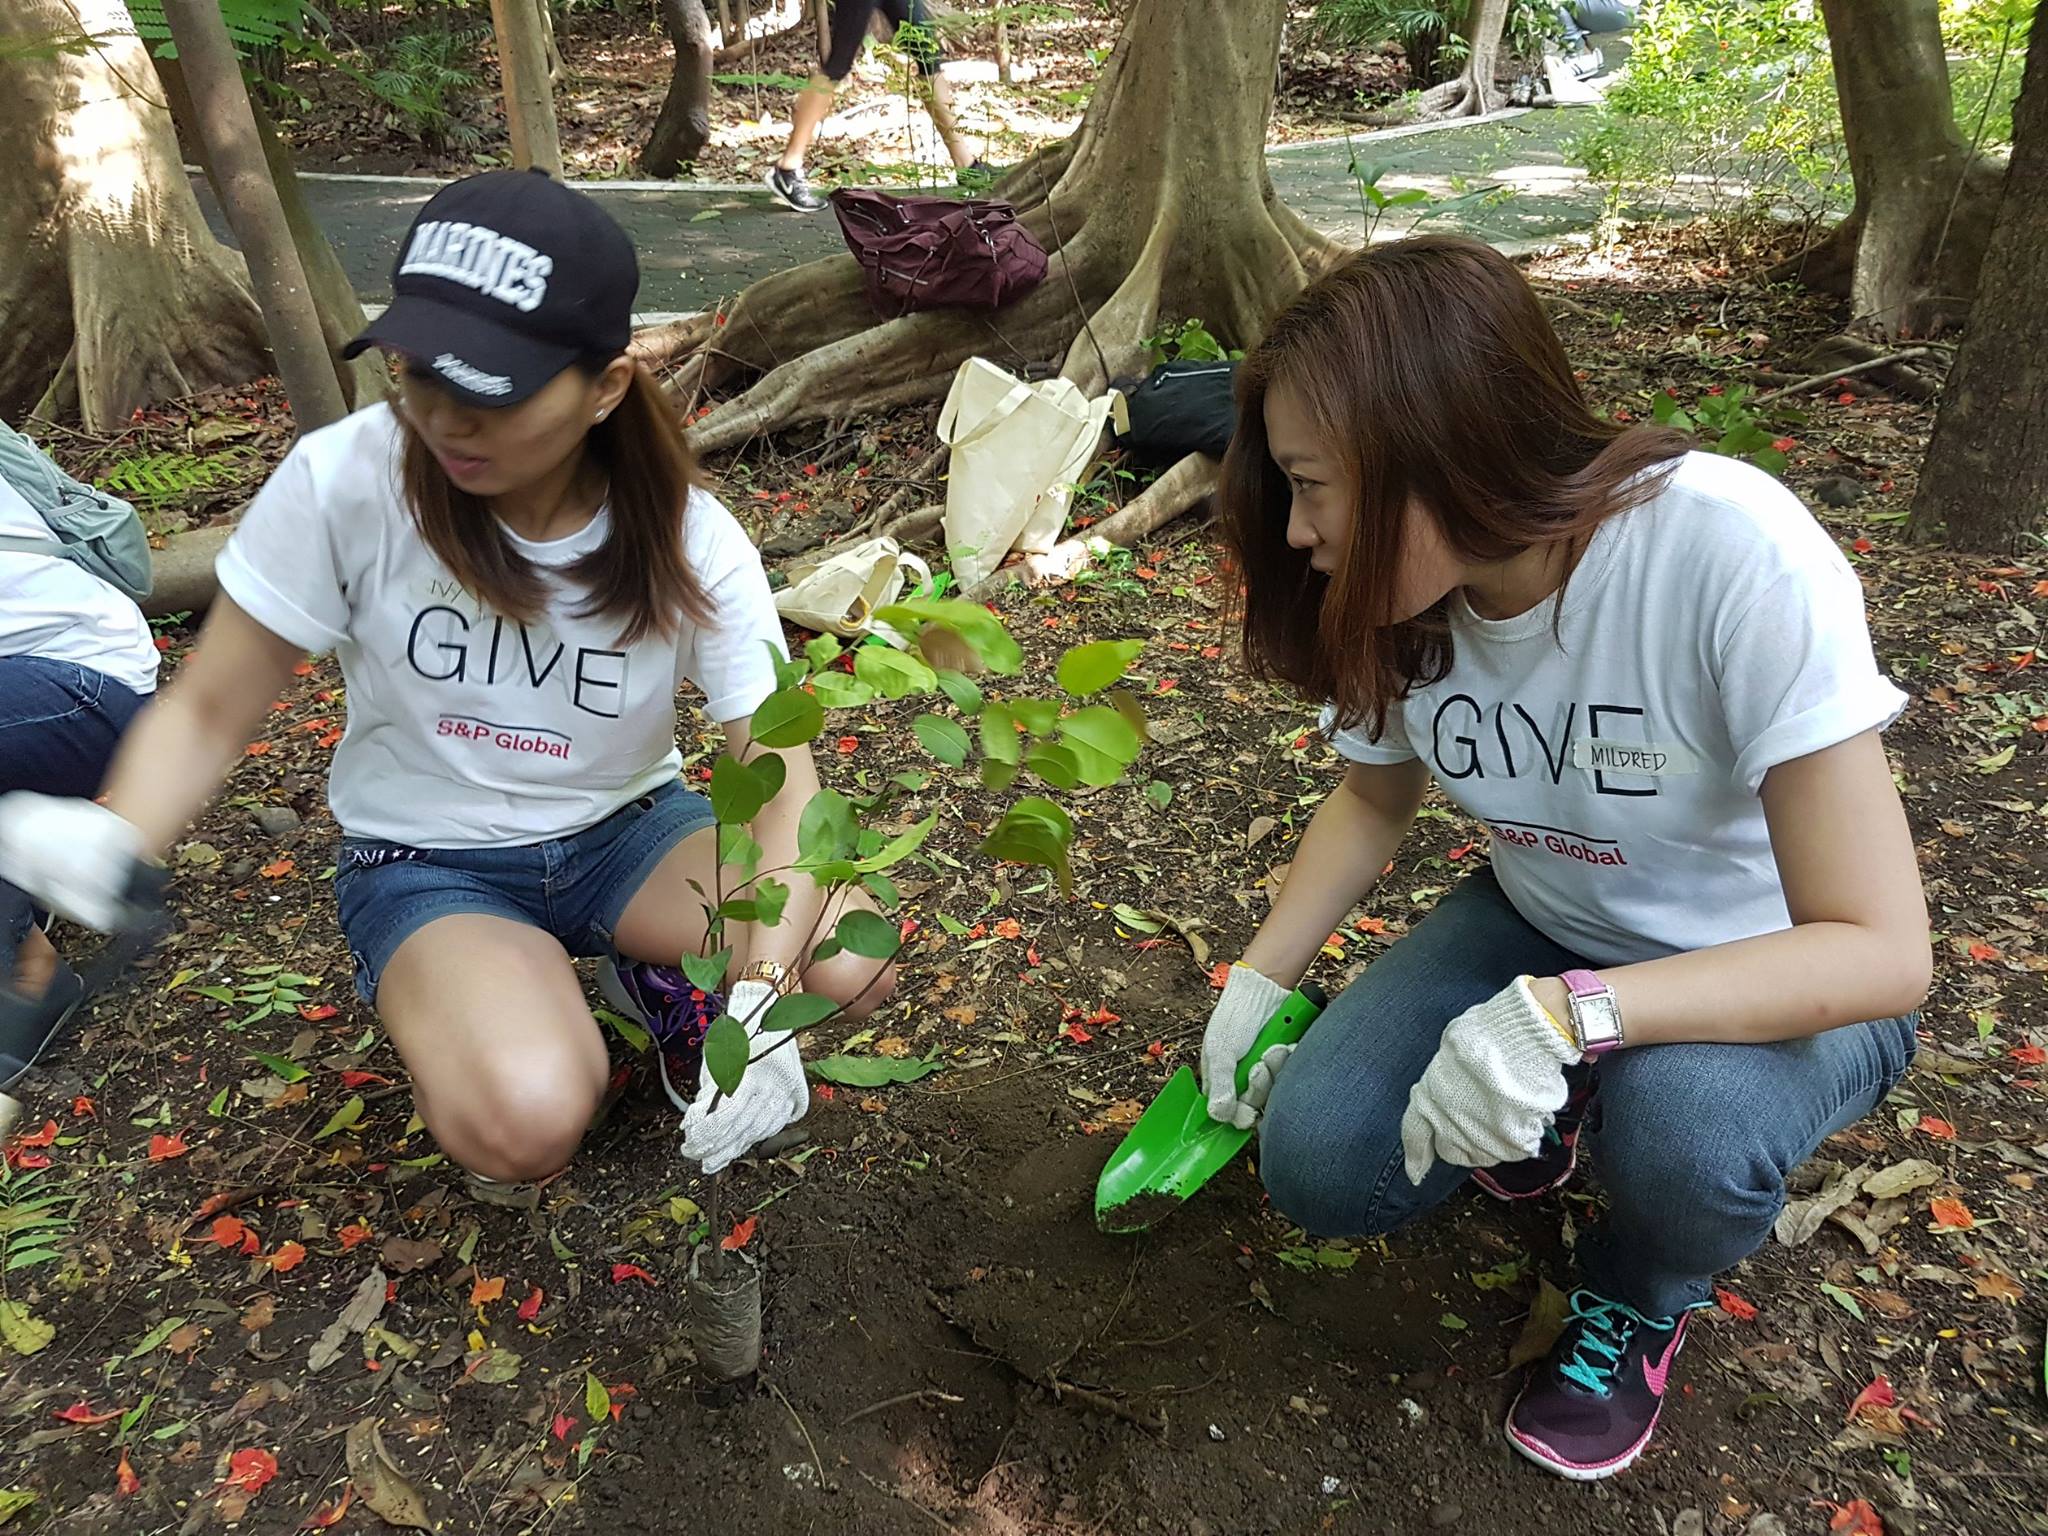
1701, 937
518, 569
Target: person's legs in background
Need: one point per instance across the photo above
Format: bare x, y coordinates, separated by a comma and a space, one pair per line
848, 22
59, 725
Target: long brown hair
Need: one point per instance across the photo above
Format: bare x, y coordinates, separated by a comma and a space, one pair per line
638, 576
1430, 372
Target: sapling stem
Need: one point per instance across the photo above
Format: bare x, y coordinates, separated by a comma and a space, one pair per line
714, 1210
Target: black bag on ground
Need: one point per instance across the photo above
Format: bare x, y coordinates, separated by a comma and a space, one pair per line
1179, 409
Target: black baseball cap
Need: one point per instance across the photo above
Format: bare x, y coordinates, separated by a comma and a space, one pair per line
504, 280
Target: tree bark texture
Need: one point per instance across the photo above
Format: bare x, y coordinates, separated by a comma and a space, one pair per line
529, 95
1908, 253
1986, 476
684, 125
227, 127
113, 292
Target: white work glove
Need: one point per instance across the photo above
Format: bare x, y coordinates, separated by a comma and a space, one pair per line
1248, 1001
70, 855
771, 1096
1496, 1081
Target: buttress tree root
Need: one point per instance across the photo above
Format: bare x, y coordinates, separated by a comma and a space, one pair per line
1158, 208
113, 292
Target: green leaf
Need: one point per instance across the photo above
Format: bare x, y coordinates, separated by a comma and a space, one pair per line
882, 888
13, 1501
897, 849
771, 896
1160, 793
1039, 715
790, 674
982, 630
290, 1071
827, 829
835, 690
1034, 831
150, 1340
597, 1401
23, 1332
1102, 742
725, 1052
218, 1105
799, 1010
997, 776
822, 652
738, 851
1452, 1321
788, 717
891, 673
999, 743
1057, 765
628, 1030
707, 972
1091, 668
1665, 409
962, 690
867, 934
871, 1071
1843, 1299
737, 791
1770, 460
942, 738
1996, 760
344, 1118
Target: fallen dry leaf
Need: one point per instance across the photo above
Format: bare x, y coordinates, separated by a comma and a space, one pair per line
384, 1488
1546, 1321
261, 1313
1951, 1213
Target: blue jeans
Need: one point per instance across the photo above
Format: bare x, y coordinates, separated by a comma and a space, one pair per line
1693, 1142
59, 725
575, 887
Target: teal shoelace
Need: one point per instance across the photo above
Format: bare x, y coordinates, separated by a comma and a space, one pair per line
1604, 1330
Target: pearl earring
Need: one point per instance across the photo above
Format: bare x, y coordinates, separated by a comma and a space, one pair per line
600, 416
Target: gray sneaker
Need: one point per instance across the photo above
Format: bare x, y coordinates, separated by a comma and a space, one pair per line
792, 190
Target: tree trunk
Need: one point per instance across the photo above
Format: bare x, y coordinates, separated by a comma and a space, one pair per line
1986, 475
1158, 208
529, 98
227, 128
725, 32
1473, 93
558, 68
113, 292
1907, 255
1005, 69
684, 126
364, 379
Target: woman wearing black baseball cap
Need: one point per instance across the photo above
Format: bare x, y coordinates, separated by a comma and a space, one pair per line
517, 569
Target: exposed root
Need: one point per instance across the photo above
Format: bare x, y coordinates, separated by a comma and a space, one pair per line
1111, 343
1851, 357
921, 478
1189, 482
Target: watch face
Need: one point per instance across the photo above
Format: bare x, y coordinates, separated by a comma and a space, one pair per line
1598, 1018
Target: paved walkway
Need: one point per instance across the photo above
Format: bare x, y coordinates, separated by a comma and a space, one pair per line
698, 243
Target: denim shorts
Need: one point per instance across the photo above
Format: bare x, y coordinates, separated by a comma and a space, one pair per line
574, 887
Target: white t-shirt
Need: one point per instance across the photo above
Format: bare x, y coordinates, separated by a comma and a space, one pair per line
466, 729
50, 607
1707, 636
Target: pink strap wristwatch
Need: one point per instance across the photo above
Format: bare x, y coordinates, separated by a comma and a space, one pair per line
1596, 1016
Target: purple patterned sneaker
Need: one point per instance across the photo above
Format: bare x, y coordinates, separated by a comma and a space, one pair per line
1587, 1410
1552, 1166
663, 1001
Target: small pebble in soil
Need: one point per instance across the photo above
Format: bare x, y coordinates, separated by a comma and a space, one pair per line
1413, 1410
275, 820
1765, 1524
1332, 1486
1447, 1514
1216, 1432
1689, 1522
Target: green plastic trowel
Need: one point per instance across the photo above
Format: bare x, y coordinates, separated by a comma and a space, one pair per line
1174, 1148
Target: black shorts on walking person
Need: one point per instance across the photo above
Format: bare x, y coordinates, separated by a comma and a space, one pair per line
850, 20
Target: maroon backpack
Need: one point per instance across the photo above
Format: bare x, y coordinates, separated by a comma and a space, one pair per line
937, 252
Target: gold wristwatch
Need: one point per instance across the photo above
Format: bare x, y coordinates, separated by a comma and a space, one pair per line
778, 976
